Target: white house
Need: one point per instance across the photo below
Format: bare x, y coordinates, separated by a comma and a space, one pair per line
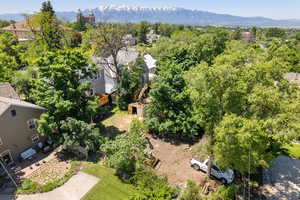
104, 82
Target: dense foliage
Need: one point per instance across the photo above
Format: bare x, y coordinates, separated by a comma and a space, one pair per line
151, 187
131, 81
245, 106
126, 150
60, 90
169, 110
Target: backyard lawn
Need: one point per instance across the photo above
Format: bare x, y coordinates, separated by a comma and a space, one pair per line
110, 186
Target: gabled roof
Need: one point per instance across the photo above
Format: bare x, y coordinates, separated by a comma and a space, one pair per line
5, 103
6, 90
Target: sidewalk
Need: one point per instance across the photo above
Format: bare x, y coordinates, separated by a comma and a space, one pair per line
74, 189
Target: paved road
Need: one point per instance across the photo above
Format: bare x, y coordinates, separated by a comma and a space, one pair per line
282, 181
74, 189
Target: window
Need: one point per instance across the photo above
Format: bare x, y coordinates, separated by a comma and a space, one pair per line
96, 76
35, 138
31, 124
6, 158
13, 113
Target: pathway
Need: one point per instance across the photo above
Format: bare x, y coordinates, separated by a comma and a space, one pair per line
74, 189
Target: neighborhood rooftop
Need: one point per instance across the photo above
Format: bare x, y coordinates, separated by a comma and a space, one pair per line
6, 90
5, 103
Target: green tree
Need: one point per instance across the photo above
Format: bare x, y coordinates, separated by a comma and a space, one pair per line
169, 110
143, 29
79, 133
50, 34
8, 66
275, 32
126, 149
130, 82
62, 92
192, 191
47, 7
151, 187
22, 81
4, 23
108, 41
254, 91
9, 56
237, 35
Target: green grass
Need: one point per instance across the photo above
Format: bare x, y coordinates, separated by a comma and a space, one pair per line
293, 150
110, 187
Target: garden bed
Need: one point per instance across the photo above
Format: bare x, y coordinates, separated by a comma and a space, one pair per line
47, 178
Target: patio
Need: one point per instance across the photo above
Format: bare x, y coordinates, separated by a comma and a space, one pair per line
41, 168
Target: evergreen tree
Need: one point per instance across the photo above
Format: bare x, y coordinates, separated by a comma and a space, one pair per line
47, 8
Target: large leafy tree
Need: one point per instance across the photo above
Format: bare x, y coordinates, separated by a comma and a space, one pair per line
169, 110
9, 56
130, 82
143, 29
243, 103
126, 149
50, 33
107, 40
62, 92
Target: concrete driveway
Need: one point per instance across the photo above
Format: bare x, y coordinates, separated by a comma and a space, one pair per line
282, 181
74, 189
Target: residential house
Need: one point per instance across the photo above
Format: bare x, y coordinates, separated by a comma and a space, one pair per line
248, 37
104, 82
6, 90
22, 29
17, 127
129, 40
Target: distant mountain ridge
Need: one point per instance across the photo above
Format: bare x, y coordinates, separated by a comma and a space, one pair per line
124, 14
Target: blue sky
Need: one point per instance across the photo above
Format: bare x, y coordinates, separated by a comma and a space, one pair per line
277, 9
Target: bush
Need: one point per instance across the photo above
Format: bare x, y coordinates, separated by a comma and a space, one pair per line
192, 191
225, 193
151, 186
28, 187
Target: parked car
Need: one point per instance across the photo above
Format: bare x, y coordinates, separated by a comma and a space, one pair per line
224, 176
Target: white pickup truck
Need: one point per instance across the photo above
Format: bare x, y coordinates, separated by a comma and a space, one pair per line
224, 176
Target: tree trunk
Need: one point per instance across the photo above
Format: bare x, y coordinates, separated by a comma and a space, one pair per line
210, 151
210, 160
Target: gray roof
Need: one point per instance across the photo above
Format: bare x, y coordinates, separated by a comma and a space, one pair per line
5, 103
124, 57
6, 90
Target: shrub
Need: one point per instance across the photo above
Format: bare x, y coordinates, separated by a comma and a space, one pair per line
151, 186
225, 193
192, 191
28, 187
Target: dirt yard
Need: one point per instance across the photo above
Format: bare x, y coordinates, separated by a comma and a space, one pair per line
175, 163
174, 159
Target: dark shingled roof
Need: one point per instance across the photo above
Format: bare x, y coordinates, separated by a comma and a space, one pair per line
6, 90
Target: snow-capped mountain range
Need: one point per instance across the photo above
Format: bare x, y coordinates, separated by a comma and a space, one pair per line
134, 14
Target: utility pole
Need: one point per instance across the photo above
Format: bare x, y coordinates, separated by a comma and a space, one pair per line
11, 178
